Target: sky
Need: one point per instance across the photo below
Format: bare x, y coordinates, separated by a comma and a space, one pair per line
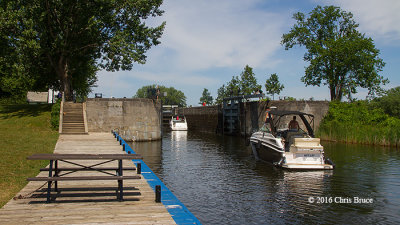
206, 42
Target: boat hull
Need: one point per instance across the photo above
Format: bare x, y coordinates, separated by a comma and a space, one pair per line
266, 148
265, 151
179, 128
291, 166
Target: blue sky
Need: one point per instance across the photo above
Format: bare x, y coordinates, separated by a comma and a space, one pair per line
206, 42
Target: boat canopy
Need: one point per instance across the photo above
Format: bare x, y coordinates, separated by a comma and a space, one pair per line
302, 115
284, 113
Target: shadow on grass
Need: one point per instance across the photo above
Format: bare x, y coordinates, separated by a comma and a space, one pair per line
23, 110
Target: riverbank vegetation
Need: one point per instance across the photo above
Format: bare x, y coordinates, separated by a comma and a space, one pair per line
24, 130
367, 122
168, 95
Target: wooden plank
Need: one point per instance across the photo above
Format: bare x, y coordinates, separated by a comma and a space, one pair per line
82, 178
86, 169
83, 156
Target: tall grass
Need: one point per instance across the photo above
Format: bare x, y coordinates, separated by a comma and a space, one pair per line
360, 122
24, 130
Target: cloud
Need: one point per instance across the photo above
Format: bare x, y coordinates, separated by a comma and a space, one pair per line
167, 78
112, 84
224, 33
378, 18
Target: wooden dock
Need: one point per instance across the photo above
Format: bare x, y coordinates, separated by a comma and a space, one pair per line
87, 202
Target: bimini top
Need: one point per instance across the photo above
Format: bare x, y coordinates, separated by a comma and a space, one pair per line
302, 115
284, 113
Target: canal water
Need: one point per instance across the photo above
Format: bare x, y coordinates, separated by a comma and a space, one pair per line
218, 179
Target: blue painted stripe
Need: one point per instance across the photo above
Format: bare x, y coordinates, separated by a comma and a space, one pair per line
176, 208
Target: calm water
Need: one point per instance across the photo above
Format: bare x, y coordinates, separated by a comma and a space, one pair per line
217, 178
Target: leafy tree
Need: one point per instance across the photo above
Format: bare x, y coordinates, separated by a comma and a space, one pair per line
233, 87
272, 85
18, 47
172, 97
246, 84
339, 55
221, 94
206, 97
248, 81
88, 35
390, 102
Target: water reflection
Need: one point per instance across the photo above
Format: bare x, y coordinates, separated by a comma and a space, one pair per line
217, 178
151, 152
178, 139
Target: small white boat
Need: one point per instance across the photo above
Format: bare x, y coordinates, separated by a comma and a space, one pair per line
289, 148
178, 123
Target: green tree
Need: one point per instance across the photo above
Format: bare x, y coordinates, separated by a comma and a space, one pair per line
339, 55
206, 97
221, 94
390, 102
233, 87
246, 84
19, 49
272, 85
172, 97
105, 34
248, 81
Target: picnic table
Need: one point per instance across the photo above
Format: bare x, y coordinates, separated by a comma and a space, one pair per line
55, 174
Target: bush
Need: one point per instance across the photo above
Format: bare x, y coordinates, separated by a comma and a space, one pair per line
55, 115
390, 103
359, 122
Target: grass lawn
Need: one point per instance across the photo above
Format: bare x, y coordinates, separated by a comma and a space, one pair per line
24, 130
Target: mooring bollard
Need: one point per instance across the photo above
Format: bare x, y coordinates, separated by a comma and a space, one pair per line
158, 193
139, 168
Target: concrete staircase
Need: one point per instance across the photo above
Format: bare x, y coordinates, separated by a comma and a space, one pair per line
73, 120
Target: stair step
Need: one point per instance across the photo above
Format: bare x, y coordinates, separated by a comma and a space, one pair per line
73, 113
73, 122
73, 130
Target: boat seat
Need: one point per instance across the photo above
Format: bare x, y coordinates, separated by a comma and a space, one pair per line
291, 135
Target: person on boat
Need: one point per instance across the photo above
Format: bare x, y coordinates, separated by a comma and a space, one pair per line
268, 120
293, 124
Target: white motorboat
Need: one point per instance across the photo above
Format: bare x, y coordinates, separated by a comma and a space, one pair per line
178, 123
289, 148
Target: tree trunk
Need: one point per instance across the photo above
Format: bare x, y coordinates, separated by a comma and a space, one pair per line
62, 72
333, 92
336, 92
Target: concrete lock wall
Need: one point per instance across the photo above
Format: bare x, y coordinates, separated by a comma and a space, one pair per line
252, 115
135, 119
203, 118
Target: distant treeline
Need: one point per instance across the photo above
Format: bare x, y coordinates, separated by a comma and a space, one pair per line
367, 122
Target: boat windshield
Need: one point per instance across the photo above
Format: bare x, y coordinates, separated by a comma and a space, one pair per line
178, 119
266, 128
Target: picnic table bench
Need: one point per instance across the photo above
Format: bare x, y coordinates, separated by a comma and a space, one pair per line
55, 176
